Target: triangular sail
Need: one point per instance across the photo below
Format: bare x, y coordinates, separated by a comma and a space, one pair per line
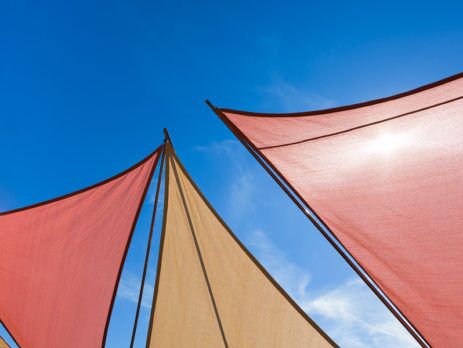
60, 261
386, 178
3, 344
210, 291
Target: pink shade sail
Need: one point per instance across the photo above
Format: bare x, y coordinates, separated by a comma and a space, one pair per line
60, 260
387, 178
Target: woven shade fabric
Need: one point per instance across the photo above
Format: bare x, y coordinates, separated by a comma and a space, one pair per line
387, 178
3, 344
251, 308
60, 261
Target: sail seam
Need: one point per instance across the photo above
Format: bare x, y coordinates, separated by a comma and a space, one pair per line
254, 260
198, 251
361, 126
347, 107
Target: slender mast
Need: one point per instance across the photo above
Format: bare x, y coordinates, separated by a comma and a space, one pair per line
167, 142
148, 248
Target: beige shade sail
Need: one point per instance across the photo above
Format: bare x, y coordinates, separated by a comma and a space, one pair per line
210, 291
3, 344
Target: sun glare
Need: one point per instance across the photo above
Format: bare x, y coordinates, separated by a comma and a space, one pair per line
388, 143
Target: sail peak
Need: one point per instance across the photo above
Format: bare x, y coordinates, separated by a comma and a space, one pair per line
210, 290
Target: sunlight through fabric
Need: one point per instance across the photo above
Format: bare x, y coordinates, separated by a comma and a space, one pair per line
386, 177
60, 261
387, 144
210, 290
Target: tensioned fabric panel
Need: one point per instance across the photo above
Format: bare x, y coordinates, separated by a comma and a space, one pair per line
265, 130
391, 191
253, 310
3, 344
60, 261
183, 313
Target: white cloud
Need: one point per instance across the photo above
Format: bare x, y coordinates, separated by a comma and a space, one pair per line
356, 318
283, 96
129, 288
349, 312
219, 147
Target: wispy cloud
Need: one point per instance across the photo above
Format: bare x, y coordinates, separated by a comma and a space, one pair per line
295, 279
349, 312
218, 147
358, 319
283, 96
129, 288
243, 184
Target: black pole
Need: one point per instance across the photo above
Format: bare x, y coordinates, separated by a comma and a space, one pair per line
9, 333
148, 248
161, 246
167, 137
308, 211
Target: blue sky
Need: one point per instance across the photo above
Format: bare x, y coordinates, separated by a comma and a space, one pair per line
87, 86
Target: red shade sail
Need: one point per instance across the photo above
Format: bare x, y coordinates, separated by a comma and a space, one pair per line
386, 177
60, 260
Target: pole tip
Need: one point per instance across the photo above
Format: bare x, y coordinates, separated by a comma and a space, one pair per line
210, 104
166, 136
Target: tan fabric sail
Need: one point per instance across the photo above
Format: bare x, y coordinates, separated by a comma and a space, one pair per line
210, 291
3, 344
